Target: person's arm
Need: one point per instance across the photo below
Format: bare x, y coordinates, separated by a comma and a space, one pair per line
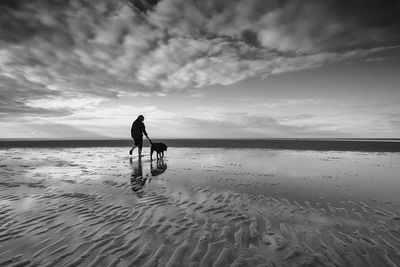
144, 130
145, 133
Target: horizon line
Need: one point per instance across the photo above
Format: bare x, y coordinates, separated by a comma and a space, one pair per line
210, 138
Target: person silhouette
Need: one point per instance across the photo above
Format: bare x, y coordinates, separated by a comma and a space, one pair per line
137, 130
137, 180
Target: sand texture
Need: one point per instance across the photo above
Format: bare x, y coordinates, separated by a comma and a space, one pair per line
198, 207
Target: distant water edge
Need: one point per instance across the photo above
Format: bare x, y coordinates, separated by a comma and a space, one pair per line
367, 145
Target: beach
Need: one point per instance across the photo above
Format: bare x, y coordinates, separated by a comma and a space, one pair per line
199, 206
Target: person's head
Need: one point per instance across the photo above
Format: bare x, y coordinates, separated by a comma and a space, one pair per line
140, 117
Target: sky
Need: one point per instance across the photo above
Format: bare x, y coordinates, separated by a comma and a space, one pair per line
79, 69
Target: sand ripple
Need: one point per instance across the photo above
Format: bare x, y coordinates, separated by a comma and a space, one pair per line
97, 223
78, 229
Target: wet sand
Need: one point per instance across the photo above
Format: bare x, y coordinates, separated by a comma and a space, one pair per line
199, 207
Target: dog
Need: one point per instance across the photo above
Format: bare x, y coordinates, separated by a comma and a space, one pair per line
159, 148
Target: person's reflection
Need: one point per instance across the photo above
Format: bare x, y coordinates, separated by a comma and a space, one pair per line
160, 167
137, 179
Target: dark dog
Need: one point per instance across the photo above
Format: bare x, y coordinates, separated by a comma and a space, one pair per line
159, 148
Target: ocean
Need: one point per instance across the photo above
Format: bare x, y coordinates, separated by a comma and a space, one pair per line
371, 145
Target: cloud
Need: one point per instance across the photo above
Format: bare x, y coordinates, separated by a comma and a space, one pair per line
57, 103
52, 50
250, 125
285, 25
394, 119
14, 91
209, 122
286, 102
59, 130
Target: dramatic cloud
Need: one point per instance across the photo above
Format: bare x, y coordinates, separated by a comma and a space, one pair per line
242, 124
53, 49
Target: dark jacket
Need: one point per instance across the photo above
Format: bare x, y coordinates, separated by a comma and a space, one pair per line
138, 129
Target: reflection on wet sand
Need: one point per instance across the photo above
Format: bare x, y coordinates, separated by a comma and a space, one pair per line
75, 207
138, 180
160, 168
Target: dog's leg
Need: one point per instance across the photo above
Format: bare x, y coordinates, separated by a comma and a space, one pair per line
162, 154
151, 153
158, 155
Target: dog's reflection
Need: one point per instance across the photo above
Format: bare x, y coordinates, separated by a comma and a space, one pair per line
137, 179
159, 169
